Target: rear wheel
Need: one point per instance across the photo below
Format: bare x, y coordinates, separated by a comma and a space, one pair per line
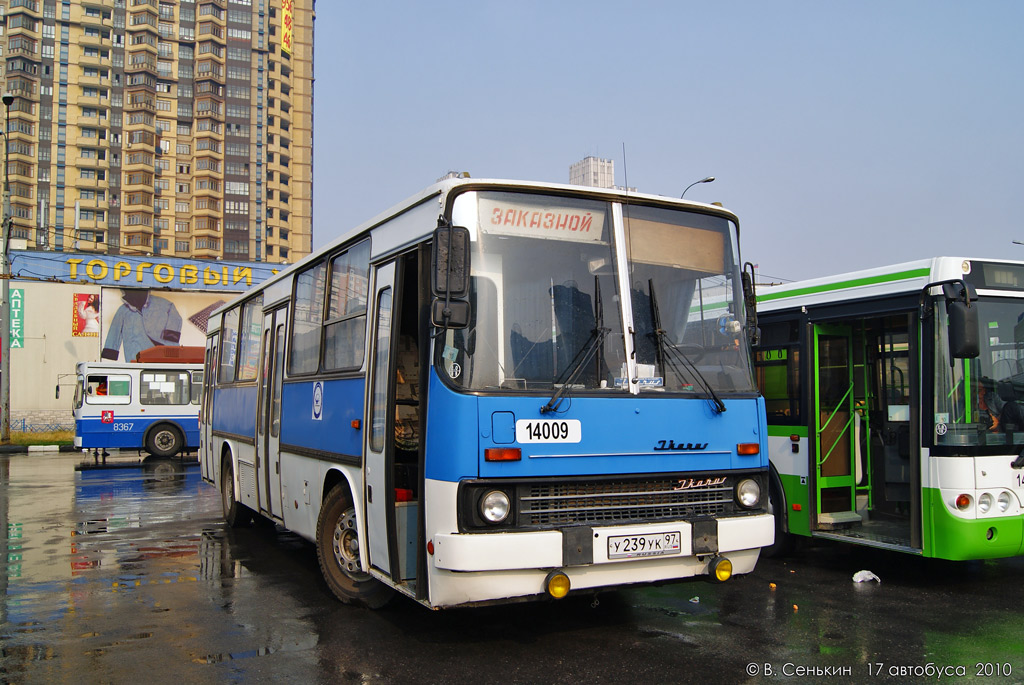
337, 548
236, 514
164, 441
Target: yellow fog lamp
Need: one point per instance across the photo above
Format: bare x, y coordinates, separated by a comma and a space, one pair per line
557, 584
721, 569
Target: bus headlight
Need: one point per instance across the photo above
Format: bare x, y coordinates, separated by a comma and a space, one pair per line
1003, 501
748, 493
494, 506
984, 502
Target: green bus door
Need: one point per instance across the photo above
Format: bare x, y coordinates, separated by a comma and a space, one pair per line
834, 426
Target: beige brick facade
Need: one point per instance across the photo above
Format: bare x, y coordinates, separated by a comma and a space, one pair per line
165, 127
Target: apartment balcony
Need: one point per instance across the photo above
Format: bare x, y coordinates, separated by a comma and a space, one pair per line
94, 40
92, 162
30, 7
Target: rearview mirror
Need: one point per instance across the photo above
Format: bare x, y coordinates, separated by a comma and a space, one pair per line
450, 261
450, 314
964, 340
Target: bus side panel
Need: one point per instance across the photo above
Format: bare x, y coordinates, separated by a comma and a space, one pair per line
122, 433
234, 410
331, 430
452, 435
129, 432
302, 491
792, 469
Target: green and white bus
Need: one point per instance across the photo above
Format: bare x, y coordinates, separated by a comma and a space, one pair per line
894, 400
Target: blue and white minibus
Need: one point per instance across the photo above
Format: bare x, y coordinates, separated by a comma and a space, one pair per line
128, 405
499, 390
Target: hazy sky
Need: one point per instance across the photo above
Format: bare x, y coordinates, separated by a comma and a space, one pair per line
844, 135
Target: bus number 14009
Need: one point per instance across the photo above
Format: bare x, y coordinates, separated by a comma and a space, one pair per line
548, 430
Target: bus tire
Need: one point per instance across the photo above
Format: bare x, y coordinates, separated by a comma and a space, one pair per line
784, 541
164, 440
337, 549
236, 514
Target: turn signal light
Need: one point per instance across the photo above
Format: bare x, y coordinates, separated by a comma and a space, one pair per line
746, 449
503, 454
557, 584
963, 501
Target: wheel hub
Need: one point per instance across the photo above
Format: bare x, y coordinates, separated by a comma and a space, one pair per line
346, 545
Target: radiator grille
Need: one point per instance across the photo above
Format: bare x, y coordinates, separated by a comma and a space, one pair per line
610, 502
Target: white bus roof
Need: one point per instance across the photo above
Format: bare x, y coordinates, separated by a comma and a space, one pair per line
442, 189
907, 277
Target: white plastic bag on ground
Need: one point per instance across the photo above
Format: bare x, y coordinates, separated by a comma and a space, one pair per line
865, 576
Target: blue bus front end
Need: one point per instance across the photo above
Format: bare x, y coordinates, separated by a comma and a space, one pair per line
651, 491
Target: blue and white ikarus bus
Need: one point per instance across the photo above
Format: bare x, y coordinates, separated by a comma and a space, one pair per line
499, 390
136, 406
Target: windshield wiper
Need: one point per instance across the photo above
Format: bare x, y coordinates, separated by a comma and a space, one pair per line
585, 354
576, 366
671, 355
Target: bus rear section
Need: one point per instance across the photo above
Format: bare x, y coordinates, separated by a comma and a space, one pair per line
137, 406
476, 413
893, 399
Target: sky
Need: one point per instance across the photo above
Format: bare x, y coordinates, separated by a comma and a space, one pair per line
845, 135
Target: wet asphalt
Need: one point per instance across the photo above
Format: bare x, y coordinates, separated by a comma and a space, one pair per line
127, 574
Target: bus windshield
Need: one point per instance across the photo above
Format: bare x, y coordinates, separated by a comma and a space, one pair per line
543, 287
687, 306
547, 307
981, 401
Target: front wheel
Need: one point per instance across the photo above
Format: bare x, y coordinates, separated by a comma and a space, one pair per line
164, 441
337, 549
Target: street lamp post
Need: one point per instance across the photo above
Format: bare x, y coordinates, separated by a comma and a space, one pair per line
5, 288
709, 179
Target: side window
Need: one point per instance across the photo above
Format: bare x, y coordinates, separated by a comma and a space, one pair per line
379, 398
777, 367
164, 387
345, 329
108, 389
228, 346
249, 339
196, 392
304, 351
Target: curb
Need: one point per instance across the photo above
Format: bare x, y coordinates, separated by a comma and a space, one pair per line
24, 449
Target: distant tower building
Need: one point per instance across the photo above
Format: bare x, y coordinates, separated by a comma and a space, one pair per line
593, 172
181, 128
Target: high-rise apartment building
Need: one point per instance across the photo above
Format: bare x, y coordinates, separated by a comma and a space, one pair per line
593, 172
173, 127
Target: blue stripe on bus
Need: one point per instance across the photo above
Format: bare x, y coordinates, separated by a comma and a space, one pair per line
342, 403
96, 434
619, 435
235, 412
234, 409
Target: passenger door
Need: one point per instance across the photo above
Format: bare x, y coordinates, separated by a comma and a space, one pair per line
835, 440
206, 425
268, 424
379, 422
